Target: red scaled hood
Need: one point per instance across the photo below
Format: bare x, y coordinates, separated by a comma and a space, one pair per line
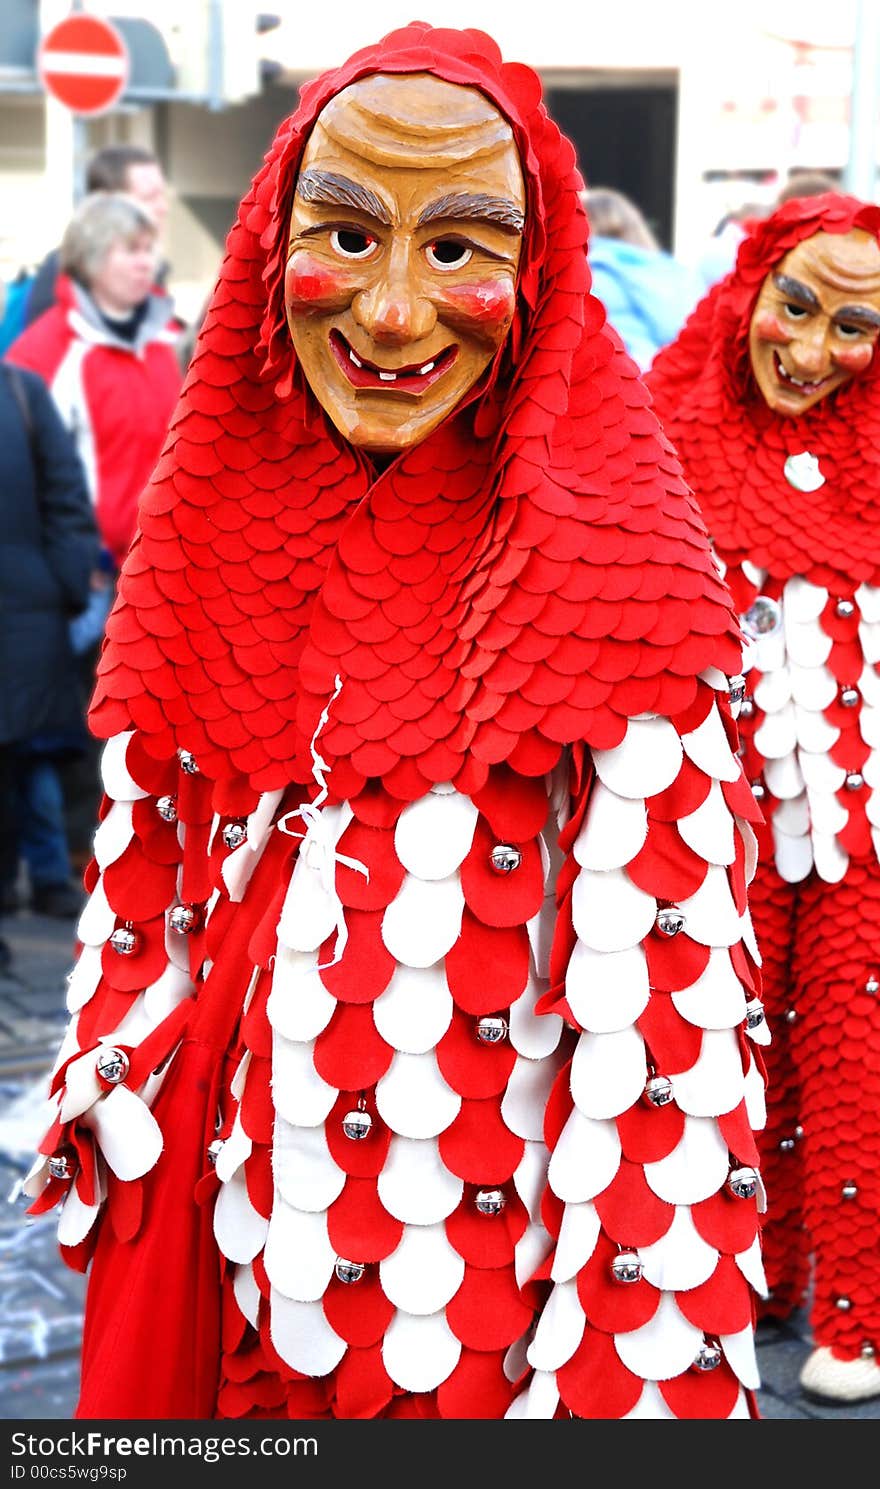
532, 574
733, 447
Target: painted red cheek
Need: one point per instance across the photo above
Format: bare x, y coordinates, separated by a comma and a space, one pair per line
770, 328
854, 358
310, 285
486, 305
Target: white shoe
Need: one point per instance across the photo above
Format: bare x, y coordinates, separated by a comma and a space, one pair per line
840, 1380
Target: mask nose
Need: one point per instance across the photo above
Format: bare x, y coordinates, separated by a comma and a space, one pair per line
393, 311
810, 353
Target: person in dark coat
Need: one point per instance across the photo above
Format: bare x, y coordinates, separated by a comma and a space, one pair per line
48, 552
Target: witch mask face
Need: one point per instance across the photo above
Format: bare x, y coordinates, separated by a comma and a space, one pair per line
817, 320
405, 238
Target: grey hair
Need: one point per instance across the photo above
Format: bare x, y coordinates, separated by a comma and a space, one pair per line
101, 220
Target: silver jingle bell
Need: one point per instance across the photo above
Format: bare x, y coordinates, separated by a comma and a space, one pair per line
626, 1267
234, 834
491, 1029
854, 780
759, 790
844, 1304
747, 707
743, 1182
124, 940
763, 617
187, 762
872, 986
737, 689
849, 697
754, 1013
658, 1090
166, 806
786, 1145
708, 1356
349, 1271
183, 919
111, 1065
867, 1350
213, 1151
357, 1125
849, 1190
798, 1132
669, 921
60, 1166
790, 1015
845, 608
504, 858
490, 1201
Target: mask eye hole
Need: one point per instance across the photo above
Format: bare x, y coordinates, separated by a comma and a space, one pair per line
448, 253
795, 312
352, 243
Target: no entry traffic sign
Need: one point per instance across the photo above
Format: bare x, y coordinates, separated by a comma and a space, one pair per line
83, 62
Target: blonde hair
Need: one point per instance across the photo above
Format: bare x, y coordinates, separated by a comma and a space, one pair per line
101, 220
613, 215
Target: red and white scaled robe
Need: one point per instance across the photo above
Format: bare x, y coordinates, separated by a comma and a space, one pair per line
419, 903
793, 506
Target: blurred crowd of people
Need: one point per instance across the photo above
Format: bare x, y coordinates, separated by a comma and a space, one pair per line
92, 369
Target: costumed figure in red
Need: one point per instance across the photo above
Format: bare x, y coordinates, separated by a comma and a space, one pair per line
771, 395
414, 1062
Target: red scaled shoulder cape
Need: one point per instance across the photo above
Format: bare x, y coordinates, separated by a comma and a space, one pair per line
733, 447
532, 574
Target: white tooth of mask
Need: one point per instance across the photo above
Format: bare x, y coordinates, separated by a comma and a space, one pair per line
428, 367
388, 377
356, 360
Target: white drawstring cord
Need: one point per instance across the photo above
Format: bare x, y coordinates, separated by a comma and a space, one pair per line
318, 849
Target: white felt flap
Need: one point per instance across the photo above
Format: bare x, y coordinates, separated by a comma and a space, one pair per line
646, 761
680, 1259
696, 1168
607, 990
299, 1006
239, 1229
423, 920
306, 1174
415, 1010
663, 1347
420, 1352
609, 912
415, 1185
585, 1159
578, 1234
299, 1258
433, 835
414, 1099
423, 1272
608, 1072
300, 1094
613, 831
560, 1329
302, 1336
525, 1100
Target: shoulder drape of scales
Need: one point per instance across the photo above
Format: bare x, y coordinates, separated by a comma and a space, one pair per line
532, 574
733, 447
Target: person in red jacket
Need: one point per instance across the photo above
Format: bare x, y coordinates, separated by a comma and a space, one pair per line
771, 394
106, 349
414, 1056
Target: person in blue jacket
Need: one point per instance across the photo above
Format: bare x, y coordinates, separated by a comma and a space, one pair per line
647, 293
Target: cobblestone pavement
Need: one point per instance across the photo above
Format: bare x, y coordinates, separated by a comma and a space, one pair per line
41, 1299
